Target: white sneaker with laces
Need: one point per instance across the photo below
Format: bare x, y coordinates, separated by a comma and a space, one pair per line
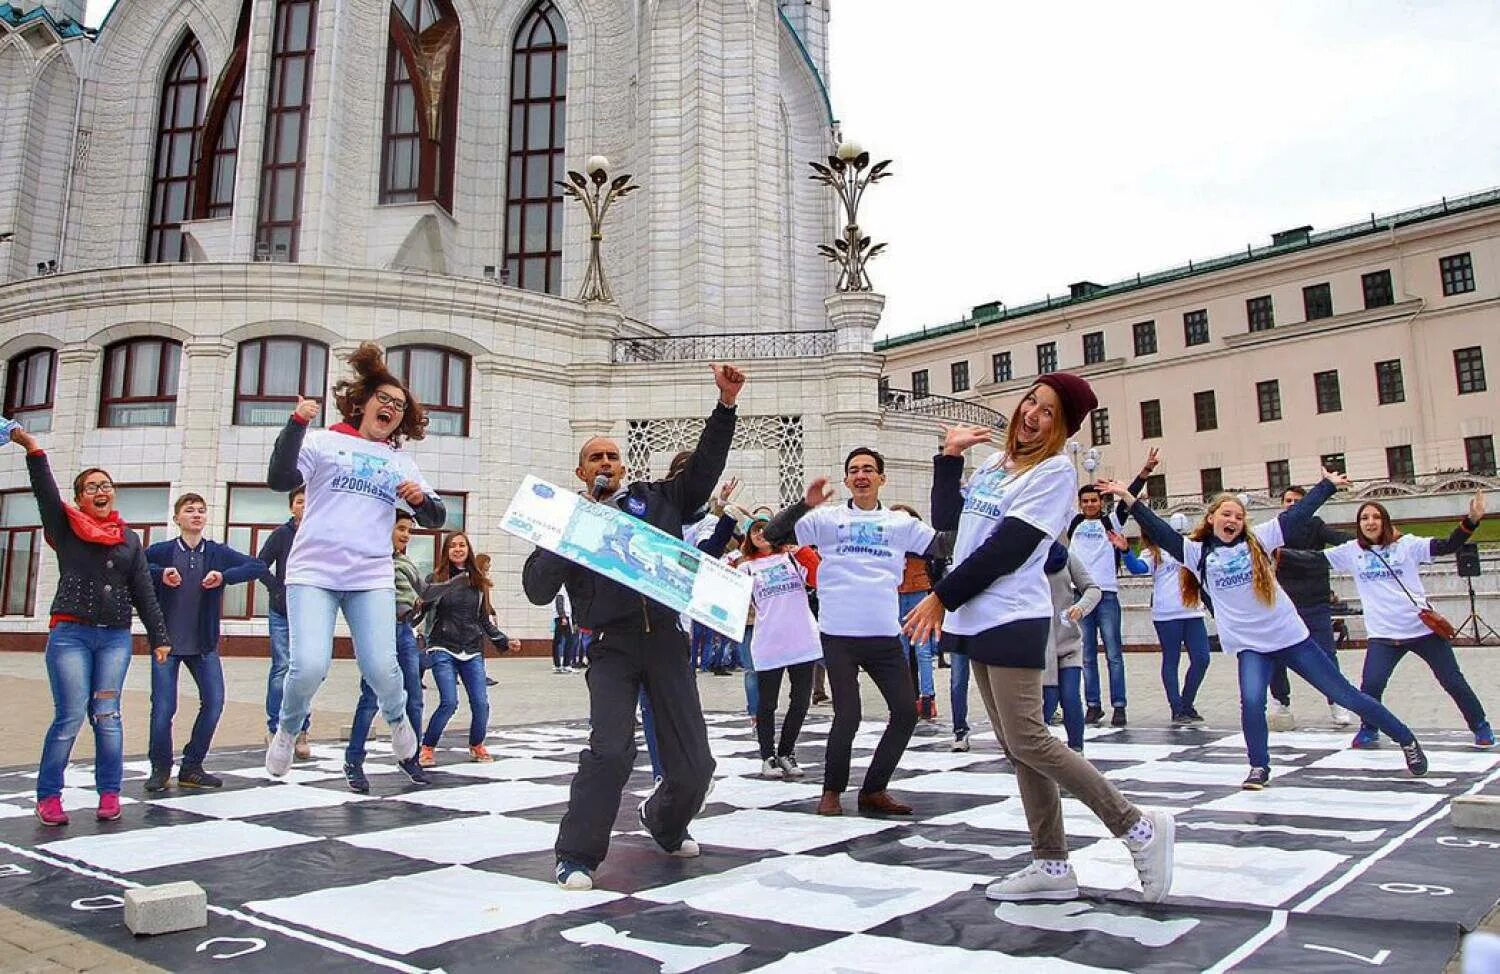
960, 743
403, 740
1033, 883
279, 753
789, 767
1153, 861
1340, 716
771, 768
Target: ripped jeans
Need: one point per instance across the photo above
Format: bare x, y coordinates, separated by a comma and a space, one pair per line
86, 668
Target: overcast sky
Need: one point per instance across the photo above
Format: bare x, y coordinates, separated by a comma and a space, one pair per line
1038, 144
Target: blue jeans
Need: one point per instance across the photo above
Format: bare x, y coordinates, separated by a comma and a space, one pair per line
86, 668
446, 672
958, 691
1319, 621
1103, 621
372, 622
581, 647
564, 643
409, 658
752, 684
1174, 634
208, 673
1308, 661
704, 647
1066, 694
1381, 658
923, 651
648, 730
281, 658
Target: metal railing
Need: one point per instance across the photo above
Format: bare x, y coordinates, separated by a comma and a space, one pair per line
731, 347
1441, 482
940, 407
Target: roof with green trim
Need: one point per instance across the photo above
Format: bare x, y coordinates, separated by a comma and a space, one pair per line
65, 29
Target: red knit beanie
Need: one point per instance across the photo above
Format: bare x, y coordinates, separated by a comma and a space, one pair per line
1078, 399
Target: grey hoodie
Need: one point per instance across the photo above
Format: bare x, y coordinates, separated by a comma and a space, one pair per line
1067, 640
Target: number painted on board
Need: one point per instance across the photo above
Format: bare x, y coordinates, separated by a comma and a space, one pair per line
1374, 960
251, 945
1454, 842
108, 901
1416, 888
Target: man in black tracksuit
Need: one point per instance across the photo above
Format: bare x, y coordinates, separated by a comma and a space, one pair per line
637, 641
1306, 584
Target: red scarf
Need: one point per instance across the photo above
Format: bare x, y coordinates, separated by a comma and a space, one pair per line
108, 531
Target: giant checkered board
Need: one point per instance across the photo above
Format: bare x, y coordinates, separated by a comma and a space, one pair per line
1345, 864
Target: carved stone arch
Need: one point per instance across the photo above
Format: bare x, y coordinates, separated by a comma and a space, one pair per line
25, 341
430, 336
172, 20
120, 331
281, 328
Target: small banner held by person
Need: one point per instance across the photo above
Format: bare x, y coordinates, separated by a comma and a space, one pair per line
627, 550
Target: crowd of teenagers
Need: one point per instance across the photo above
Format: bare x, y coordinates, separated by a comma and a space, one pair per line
1013, 581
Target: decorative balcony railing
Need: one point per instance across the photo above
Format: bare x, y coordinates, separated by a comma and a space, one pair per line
940, 407
736, 347
1441, 482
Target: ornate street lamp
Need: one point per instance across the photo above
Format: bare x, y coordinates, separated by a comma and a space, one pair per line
596, 199
849, 173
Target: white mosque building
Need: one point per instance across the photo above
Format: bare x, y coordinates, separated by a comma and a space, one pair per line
204, 204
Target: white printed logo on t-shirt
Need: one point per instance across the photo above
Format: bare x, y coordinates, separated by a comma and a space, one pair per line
863, 538
365, 473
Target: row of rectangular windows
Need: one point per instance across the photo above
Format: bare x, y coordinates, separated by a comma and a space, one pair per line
1317, 300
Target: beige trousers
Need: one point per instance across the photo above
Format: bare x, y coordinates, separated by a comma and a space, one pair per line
1013, 699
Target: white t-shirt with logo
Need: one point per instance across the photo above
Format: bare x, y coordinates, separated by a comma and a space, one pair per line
864, 558
785, 630
1042, 497
1091, 544
344, 541
1389, 614
1166, 589
1244, 621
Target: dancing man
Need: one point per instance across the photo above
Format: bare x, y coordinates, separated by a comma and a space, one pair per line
636, 642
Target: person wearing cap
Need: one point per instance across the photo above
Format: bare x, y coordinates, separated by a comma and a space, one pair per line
995, 606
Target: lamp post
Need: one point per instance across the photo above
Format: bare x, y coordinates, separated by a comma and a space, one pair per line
596, 198
849, 173
1088, 459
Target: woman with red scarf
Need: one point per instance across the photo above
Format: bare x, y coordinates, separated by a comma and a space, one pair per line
102, 573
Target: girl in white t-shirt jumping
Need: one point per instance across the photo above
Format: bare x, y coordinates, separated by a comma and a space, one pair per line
341, 559
784, 641
1227, 568
996, 606
1384, 563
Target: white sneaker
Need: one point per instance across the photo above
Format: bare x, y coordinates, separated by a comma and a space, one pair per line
403, 740
789, 767
1153, 861
558, 669
688, 850
1032, 883
1340, 716
771, 768
279, 753
1279, 717
960, 743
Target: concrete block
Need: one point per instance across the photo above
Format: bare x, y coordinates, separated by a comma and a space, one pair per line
1477, 812
166, 908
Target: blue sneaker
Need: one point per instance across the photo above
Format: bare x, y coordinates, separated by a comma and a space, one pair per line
574, 876
1368, 737
1483, 736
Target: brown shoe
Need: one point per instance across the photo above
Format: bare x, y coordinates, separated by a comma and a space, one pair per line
831, 804
881, 803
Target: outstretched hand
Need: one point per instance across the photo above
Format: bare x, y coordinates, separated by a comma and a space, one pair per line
307, 410
1117, 489
1152, 460
1336, 478
23, 439
730, 381
925, 620
1476, 507
1118, 541
819, 492
958, 439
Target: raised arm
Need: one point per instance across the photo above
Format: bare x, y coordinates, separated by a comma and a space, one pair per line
783, 527
948, 472
44, 486
282, 473
1465, 528
1122, 510
1299, 512
715, 543
692, 488
1152, 526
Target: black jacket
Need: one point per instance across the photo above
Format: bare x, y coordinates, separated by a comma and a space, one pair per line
460, 623
1306, 581
600, 604
96, 584
274, 553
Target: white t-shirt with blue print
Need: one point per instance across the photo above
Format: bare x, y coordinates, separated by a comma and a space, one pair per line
863, 558
1389, 614
1244, 621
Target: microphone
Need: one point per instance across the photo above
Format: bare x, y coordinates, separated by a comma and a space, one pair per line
601, 487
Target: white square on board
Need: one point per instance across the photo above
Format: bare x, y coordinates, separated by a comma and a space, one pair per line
268, 800
458, 841
171, 845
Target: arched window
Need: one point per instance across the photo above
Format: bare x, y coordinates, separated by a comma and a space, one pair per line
220, 146
421, 103
179, 123
439, 378
273, 374
140, 383
285, 154
534, 209
29, 379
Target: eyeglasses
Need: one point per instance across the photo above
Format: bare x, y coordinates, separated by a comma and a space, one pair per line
104, 488
399, 405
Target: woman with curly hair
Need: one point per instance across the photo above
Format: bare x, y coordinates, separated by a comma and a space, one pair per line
341, 559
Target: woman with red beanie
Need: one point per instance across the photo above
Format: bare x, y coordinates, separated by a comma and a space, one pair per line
995, 605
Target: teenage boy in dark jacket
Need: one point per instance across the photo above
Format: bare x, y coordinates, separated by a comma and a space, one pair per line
274, 553
637, 642
190, 573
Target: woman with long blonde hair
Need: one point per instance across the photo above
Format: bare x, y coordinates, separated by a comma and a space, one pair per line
1227, 568
998, 608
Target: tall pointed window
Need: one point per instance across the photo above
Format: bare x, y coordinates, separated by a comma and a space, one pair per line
213, 194
179, 123
534, 210
285, 153
421, 103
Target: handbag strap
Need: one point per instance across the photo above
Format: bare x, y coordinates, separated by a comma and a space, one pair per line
1411, 598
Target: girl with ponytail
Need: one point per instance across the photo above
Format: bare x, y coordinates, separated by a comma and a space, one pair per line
1226, 567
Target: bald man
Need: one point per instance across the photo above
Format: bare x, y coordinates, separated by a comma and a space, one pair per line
638, 642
